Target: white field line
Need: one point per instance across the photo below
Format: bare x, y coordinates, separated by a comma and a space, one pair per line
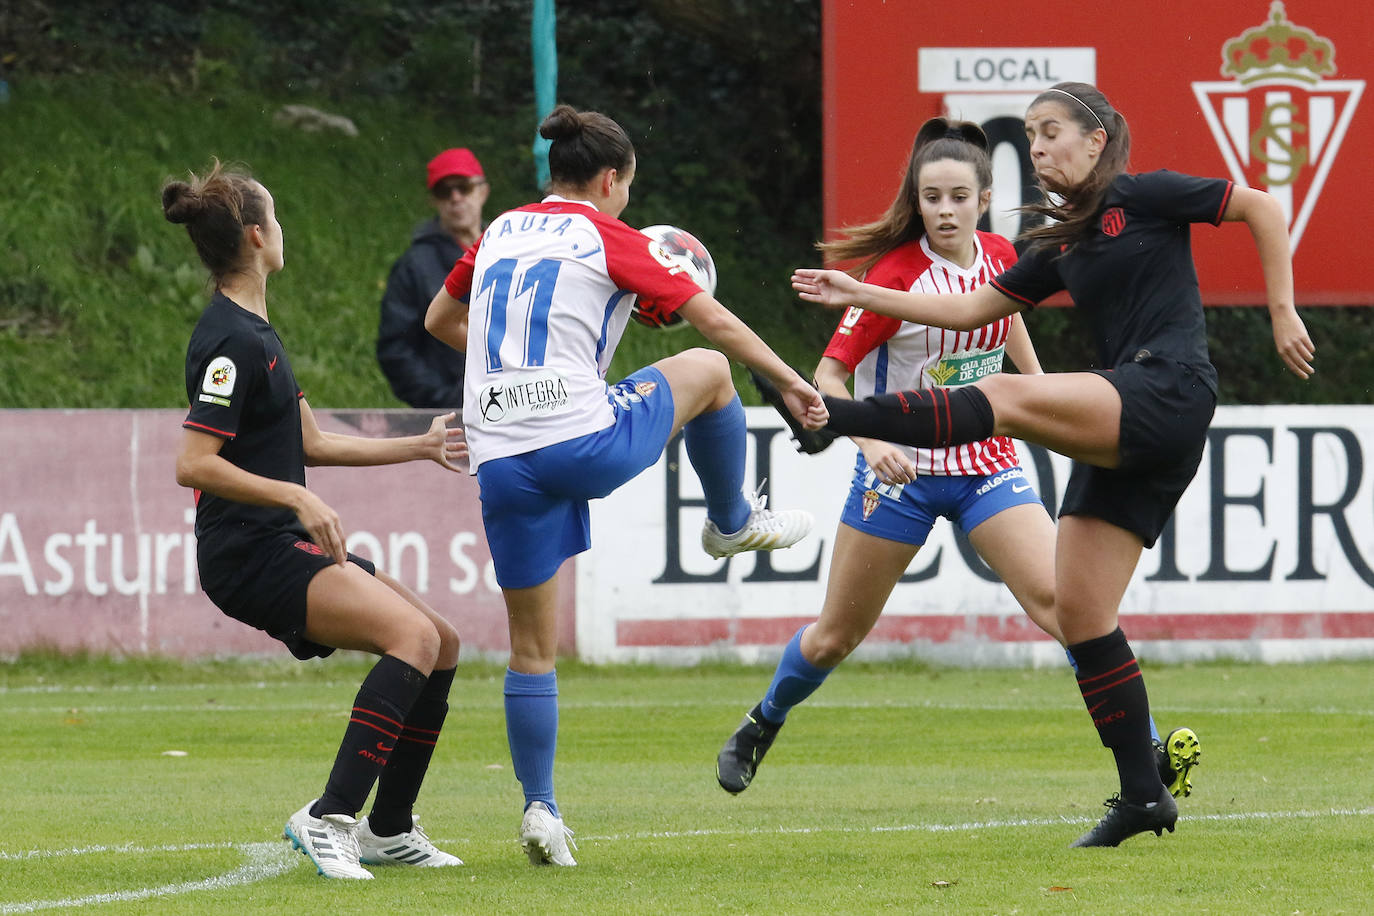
264, 860
464, 696
973, 825
267, 860
458, 702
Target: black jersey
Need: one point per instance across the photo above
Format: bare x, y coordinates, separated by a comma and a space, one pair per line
241, 389
1133, 276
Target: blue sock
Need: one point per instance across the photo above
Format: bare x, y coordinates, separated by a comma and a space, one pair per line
795, 680
1154, 731
716, 444
532, 730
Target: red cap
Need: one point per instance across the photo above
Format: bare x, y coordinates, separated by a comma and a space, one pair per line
453, 162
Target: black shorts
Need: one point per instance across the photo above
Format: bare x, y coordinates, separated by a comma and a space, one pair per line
262, 581
1166, 408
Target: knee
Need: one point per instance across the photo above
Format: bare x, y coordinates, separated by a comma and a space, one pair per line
449, 644
1039, 604
1038, 598
711, 366
1079, 623
418, 645
714, 362
827, 648
1005, 397
717, 369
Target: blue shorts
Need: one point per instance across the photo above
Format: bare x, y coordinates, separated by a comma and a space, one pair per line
906, 512
534, 505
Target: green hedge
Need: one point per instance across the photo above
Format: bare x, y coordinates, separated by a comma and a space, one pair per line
98, 293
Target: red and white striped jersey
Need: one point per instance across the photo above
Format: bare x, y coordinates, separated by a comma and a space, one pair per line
888, 354
549, 289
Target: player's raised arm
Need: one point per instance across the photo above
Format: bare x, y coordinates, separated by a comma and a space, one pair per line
955, 311
739, 342
441, 444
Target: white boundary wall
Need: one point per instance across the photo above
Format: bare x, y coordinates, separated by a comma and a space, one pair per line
1270, 556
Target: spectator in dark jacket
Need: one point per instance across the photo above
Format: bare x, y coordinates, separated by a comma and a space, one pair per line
422, 371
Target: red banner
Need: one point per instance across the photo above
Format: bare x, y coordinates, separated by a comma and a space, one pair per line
1266, 93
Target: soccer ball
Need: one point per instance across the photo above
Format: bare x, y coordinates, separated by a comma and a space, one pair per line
678, 250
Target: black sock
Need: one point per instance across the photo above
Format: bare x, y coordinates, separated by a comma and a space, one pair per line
1114, 691
400, 781
374, 726
928, 418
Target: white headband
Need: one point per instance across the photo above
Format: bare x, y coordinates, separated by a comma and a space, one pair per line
1084, 104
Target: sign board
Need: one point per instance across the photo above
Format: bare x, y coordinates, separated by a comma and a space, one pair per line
1266, 92
97, 549
1270, 555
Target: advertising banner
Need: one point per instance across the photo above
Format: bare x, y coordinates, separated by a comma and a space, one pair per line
97, 549
1269, 556
1268, 93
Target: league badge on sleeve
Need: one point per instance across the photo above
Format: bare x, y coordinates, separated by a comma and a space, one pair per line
218, 384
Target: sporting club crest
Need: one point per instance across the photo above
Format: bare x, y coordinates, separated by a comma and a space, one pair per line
1278, 120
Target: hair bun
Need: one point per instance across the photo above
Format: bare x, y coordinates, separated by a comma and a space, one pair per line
563, 121
180, 203
969, 132
944, 129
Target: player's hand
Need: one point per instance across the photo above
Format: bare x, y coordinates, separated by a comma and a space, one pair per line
830, 288
805, 403
322, 524
447, 445
889, 463
1295, 347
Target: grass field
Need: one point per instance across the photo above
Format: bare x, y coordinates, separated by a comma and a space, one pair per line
898, 788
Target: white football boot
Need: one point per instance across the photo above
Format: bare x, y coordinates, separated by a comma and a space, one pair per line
410, 848
765, 529
545, 838
329, 842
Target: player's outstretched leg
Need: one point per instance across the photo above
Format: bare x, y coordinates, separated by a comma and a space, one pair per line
764, 529
808, 441
932, 417
1176, 756
739, 759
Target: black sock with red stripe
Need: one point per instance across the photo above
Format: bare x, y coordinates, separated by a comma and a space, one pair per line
1114, 690
400, 781
374, 726
928, 418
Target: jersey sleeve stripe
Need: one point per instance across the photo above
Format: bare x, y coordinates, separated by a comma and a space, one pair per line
1008, 293
209, 429
1225, 199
